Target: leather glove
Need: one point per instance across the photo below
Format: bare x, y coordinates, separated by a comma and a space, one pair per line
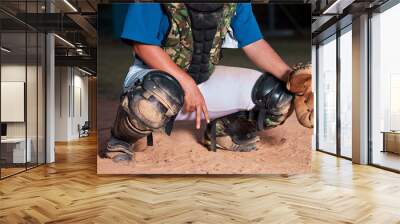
300, 84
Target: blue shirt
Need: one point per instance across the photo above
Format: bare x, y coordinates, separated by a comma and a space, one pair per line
147, 23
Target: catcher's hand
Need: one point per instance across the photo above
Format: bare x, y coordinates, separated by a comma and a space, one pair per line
300, 84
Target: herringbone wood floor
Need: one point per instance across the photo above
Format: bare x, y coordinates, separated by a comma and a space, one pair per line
69, 191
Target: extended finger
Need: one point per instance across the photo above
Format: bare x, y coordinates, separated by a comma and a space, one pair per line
205, 111
198, 117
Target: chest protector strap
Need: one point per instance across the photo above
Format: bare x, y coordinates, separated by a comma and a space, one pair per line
196, 34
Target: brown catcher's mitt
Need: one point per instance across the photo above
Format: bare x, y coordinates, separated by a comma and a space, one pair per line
300, 84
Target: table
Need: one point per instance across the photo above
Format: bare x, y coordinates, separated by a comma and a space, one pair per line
15, 148
391, 141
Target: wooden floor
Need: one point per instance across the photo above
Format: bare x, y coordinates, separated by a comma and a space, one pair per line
387, 159
69, 191
5, 172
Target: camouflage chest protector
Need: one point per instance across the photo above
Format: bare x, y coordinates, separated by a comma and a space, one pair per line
196, 34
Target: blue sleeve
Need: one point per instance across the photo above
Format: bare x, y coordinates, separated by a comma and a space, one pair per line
145, 23
245, 26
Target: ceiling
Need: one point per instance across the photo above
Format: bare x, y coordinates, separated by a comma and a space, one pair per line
76, 22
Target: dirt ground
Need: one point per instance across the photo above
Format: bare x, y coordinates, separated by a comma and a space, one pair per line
282, 150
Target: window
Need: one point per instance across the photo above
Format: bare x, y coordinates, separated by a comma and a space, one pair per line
22, 101
327, 96
346, 75
385, 89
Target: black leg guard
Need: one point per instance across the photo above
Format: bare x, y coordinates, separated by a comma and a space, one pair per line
126, 129
149, 104
274, 103
123, 136
237, 132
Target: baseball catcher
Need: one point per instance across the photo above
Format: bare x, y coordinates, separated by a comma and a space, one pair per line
176, 76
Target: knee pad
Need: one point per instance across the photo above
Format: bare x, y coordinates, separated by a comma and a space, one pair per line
273, 102
148, 104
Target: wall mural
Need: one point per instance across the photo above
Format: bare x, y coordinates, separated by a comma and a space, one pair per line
204, 88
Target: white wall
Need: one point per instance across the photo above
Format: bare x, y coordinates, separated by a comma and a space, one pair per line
71, 94
16, 73
12, 73
81, 104
33, 126
62, 82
